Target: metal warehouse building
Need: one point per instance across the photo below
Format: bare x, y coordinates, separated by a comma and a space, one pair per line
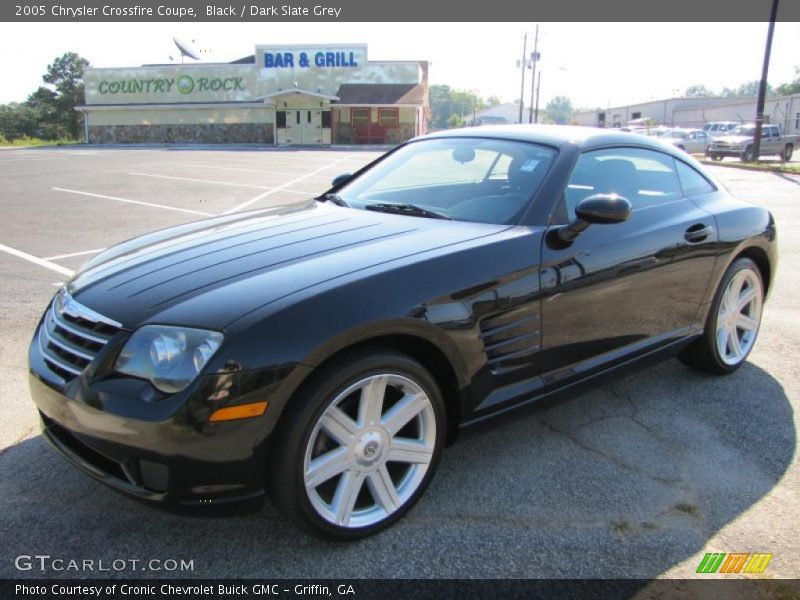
694, 112
281, 95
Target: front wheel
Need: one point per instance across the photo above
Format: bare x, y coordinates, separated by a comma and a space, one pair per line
715, 157
359, 448
786, 155
733, 321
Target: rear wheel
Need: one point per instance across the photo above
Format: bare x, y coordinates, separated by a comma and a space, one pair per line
359, 448
715, 157
733, 321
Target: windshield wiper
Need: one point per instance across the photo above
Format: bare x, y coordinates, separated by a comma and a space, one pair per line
335, 198
406, 209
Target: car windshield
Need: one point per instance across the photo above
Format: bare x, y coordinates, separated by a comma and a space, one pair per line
748, 130
674, 133
465, 179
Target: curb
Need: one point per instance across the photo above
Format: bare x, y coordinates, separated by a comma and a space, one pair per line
750, 167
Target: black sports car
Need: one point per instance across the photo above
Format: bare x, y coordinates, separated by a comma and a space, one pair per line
325, 352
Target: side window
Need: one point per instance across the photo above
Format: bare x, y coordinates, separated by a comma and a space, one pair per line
644, 177
693, 183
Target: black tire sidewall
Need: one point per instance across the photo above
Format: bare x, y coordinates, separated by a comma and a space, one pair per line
287, 486
711, 325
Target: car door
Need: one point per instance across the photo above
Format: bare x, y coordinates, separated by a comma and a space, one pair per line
623, 289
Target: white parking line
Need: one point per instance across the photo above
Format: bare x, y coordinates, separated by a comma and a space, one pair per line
42, 262
247, 185
207, 166
71, 254
139, 202
283, 187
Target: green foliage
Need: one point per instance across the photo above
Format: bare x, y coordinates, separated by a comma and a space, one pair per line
26, 140
746, 90
447, 103
48, 114
559, 109
793, 87
697, 91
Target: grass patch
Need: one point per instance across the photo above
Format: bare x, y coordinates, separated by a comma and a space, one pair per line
775, 167
32, 141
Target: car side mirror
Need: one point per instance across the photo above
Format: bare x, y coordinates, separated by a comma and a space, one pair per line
340, 179
599, 209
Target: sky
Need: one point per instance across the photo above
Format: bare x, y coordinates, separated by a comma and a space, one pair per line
594, 64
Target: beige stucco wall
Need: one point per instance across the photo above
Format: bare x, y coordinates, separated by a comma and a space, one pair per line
157, 116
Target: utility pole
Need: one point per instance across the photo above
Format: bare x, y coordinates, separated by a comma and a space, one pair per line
534, 60
538, 89
523, 65
762, 86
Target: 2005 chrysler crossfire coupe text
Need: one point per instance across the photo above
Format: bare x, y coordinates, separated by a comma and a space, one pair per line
325, 352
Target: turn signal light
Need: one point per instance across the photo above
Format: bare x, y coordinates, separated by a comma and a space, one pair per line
242, 411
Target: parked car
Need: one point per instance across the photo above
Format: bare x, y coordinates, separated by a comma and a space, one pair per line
693, 141
326, 352
740, 143
720, 128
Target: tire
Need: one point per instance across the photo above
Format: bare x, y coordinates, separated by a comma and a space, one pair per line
747, 154
715, 157
715, 351
335, 417
786, 155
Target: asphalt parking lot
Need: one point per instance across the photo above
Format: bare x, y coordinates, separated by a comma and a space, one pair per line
637, 479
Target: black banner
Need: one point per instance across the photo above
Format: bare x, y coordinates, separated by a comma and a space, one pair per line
382, 589
405, 10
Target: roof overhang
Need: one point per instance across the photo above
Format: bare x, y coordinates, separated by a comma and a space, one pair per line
298, 92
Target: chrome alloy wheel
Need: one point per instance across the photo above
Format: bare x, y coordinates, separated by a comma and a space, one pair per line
738, 317
369, 451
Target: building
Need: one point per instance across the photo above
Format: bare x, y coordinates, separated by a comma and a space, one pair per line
694, 112
281, 95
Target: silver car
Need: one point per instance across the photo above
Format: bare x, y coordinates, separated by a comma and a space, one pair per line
693, 141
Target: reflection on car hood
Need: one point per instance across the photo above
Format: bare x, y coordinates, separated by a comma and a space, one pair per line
734, 139
228, 266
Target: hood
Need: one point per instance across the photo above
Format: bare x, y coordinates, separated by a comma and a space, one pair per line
211, 272
734, 139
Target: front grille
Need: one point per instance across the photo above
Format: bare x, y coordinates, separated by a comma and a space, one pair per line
72, 335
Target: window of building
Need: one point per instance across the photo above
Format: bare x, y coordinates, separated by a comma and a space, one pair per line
280, 119
359, 116
797, 121
636, 115
388, 117
326, 119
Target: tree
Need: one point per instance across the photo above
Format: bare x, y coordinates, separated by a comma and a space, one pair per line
793, 87
65, 74
493, 101
447, 103
559, 109
746, 90
697, 91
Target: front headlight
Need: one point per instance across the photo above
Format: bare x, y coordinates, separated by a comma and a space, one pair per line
169, 357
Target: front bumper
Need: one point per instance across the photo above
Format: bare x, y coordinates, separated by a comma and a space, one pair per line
165, 452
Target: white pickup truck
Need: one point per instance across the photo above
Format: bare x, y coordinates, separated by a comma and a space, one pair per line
739, 143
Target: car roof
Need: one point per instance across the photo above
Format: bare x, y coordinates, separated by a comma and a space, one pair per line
560, 136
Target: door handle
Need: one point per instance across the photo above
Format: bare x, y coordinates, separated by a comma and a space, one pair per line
697, 233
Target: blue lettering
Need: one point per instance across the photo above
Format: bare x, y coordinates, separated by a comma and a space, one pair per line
288, 59
330, 59
319, 59
269, 61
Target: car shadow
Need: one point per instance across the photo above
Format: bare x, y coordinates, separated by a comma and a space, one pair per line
626, 480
